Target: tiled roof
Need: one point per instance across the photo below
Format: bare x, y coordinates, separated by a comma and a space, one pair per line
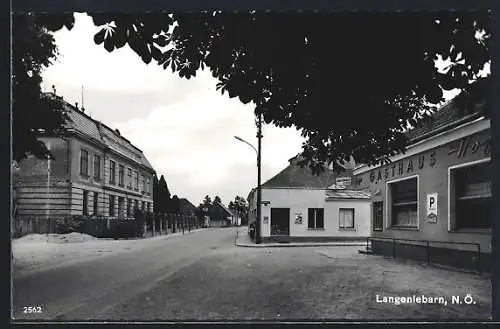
186, 204
96, 130
449, 115
295, 176
347, 194
229, 212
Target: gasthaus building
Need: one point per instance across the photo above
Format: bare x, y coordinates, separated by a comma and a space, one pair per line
434, 202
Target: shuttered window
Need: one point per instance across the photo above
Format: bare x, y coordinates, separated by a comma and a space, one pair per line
111, 205
315, 218
404, 202
473, 196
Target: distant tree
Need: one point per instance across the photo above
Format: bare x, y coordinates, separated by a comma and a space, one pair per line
239, 207
217, 199
156, 194
376, 70
207, 201
164, 196
34, 114
176, 205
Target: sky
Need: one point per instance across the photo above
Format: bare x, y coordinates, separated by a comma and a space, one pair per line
185, 128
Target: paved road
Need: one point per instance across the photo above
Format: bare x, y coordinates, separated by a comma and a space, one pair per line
203, 276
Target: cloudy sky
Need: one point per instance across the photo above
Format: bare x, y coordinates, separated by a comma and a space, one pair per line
185, 127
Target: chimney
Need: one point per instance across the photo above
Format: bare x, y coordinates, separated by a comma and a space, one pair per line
54, 89
76, 105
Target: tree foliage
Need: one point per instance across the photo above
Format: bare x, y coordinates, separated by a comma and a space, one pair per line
164, 200
351, 82
34, 114
239, 207
217, 199
176, 205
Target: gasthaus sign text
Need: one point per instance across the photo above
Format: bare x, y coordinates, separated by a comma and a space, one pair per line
432, 206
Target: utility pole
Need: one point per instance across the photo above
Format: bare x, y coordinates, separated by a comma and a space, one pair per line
259, 189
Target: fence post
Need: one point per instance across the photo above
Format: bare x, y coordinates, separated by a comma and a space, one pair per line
428, 253
160, 221
183, 224
393, 248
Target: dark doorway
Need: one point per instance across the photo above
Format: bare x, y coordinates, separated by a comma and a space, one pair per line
280, 221
378, 216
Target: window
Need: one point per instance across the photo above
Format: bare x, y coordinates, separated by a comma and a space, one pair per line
121, 207
85, 202
121, 175
472, 189
129, 207
315, 218
378, 216
84, 162
404, 202
143, 183
136, 185
112, 172
136, 206
96, 202
346, 217
97, 167
143, 206
111, 205
148, 183
129, 178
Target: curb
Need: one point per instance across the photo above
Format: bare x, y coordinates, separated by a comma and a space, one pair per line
288, 245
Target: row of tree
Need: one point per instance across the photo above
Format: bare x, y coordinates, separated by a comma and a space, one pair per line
238, 207
162, 201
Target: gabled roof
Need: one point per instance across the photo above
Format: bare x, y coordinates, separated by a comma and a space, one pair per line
295, 176
101, 133
185, 204
220, 205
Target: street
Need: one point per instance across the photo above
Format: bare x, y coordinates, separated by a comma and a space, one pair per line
204, 276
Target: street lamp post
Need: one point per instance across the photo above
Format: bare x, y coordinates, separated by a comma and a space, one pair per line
259, 190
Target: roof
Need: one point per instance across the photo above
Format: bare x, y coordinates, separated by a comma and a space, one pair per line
229, 212
101, 133
347, 194
450, 115
185, 204
295, 176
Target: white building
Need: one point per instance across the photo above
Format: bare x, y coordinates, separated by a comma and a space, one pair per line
299, 206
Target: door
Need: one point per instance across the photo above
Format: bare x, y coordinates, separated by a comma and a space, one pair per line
378, 216
280, 221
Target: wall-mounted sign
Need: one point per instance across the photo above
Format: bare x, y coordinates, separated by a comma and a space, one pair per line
266, 219
265, 203
298, 218
432, 207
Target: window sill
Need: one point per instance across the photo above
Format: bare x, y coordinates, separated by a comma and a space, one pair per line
472, 230
86, 176
404, 228
97, 179
378, 229
351, 229
315, 229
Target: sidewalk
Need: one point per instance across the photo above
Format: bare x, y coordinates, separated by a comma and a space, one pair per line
243, 240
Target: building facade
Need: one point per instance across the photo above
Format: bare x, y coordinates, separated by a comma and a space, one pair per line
96, 171
219, 215
437, 196
299, 206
